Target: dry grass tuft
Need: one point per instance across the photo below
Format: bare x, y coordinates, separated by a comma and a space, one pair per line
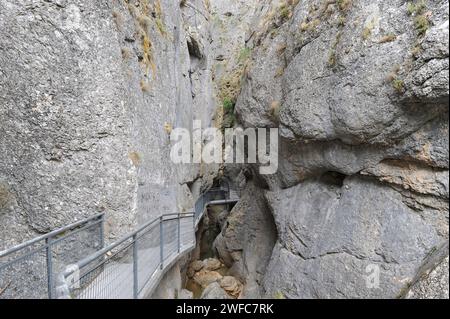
135, 158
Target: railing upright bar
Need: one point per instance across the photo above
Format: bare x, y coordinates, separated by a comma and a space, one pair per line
102, 231
179, 233
161, 241
49, 257
135, 268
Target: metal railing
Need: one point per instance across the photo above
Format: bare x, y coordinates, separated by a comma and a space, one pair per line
129, 268
28, 270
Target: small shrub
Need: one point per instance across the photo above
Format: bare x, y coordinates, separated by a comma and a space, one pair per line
304, 26
416, 50
344, 5
158, 14
228, 105
208, 5
126, 53
367, 31
398, 85
279, 295
393, 74
135, 158
388, 38
332, 59
228, 113
341, 21
148, 54
279, 72
285, 12
168, 128
422, 24
145, 87
416, 8
274, 110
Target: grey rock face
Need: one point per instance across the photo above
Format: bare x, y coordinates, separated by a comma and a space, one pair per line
246, 241
328, 236
434, 286
357, 89
214, 291
432, 278
89, 92
185, 294
84, 108
329, 96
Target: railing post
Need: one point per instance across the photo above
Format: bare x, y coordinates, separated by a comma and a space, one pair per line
179, 232
48, 251
102, 231
161, 241
135, 268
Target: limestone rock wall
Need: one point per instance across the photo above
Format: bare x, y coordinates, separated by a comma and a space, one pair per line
359, 90
90, 91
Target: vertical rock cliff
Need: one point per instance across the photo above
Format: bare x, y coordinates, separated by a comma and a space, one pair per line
359, 90
91, 90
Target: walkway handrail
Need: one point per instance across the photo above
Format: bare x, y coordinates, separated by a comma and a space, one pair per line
46, 243
132, 266
51, 234
99, 253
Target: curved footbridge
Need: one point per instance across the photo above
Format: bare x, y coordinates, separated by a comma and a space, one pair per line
132, 267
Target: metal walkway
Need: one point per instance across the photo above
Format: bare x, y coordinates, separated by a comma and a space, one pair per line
72, 262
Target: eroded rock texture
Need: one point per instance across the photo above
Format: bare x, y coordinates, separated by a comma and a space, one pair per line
90, 90
89, 93
359, 90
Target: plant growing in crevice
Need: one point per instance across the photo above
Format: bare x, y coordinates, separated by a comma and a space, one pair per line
422, 24
421, 19
147, 59
118, 19
228, 113
416, 8
387, 38
158, 14
279, 72
367, 31
332, 56
168, 128
145, 87
398, 85
274, 111
126, 53
396, 82
344, 5
393, 74
279, 295
135, 158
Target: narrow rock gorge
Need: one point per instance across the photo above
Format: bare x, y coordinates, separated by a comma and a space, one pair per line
90, 92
